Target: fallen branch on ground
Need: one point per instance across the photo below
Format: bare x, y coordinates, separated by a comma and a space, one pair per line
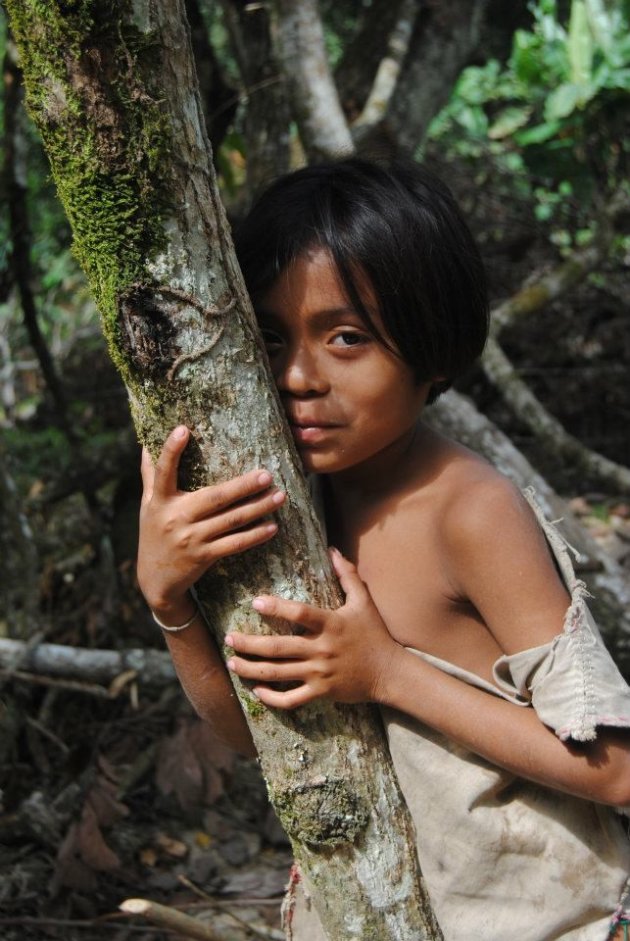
152, 667
166, 917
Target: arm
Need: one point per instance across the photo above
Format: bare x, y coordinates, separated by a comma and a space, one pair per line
181, 535
349, 656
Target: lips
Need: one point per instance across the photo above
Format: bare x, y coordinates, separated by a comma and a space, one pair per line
310, 431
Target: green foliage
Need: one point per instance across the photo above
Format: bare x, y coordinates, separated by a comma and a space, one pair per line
557, 115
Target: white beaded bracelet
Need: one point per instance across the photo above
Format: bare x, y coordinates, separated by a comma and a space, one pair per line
176, 627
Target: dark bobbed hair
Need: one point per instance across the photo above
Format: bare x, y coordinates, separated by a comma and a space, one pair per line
399, 225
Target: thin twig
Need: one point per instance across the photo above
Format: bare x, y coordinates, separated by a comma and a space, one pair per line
266, 935
71, 685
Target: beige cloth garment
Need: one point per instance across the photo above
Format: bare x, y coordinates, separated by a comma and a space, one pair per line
504, 857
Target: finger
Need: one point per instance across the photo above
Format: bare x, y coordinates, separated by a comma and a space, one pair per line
219, 497
296, 612
239, 542
165, 478
242, 515
269, 646
266, 672
147, 473
353, 585
290, 699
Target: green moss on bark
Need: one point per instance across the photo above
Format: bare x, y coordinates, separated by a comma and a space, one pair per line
90, 77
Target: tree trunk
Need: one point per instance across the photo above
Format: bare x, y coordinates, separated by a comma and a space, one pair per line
267, 117
312, 91
444, 38
354, 74
218, 96
112, 89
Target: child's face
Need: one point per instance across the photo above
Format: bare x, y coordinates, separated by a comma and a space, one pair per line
347, 397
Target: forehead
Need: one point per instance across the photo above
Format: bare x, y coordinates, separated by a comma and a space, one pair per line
311, 286
312, 282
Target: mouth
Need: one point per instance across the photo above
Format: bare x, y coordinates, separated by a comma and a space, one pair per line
310, 432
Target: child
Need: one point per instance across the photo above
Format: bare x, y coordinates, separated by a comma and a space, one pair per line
463, 619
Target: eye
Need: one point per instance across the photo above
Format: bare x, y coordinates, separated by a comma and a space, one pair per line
348, 338
272, 339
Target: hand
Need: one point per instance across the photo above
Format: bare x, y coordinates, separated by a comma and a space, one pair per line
344, 654
182, 534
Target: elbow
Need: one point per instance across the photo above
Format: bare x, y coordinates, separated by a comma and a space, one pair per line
614, 785
617, 793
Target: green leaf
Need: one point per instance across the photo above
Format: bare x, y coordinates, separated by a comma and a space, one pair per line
580, 44
601, 25
526, 57
619, 78
539, 134
474, 120
508, 121
563, 101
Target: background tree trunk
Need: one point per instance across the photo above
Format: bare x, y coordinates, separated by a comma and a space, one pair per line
267, 118
112, 89
313, 93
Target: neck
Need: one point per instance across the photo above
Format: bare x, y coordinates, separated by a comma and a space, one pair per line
383, 472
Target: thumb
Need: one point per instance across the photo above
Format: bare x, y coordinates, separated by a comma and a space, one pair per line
353, 585
165, 474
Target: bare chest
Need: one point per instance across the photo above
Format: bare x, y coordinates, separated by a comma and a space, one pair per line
404, 565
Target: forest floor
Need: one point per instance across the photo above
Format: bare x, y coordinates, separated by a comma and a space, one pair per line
115, 793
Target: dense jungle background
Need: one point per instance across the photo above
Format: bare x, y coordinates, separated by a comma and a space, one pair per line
110, 787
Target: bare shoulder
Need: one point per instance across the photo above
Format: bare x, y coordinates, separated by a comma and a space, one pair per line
481, 503
497, 555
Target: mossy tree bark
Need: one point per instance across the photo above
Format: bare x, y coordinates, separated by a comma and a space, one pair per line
112, 88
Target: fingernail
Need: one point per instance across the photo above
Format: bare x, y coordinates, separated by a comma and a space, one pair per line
254, 695
264, 478
228, 640
334, 550
259, 604
278, 497
231, 664
180, 432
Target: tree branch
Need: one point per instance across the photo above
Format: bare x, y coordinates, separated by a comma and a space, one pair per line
502, 374
387, 73
166, 917
354, 73
542, 289
301, 50
547, 429
267, 117
445, 36
152, 667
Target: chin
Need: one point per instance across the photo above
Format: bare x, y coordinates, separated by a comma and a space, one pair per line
315, 462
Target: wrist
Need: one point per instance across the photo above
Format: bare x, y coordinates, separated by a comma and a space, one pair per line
175, 611
389, 674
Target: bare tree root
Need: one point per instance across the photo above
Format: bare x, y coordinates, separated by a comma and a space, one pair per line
547, 429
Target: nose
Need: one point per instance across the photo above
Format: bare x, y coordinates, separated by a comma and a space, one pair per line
298, 371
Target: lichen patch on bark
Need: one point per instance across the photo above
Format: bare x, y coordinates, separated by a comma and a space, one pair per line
322, 812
